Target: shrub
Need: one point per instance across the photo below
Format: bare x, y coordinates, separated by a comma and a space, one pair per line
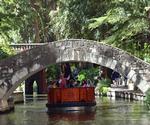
147, 99
102, 86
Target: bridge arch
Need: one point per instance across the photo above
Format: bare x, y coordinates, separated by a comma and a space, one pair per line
17, 68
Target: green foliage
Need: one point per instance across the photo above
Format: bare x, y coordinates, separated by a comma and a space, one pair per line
102, 86
12, 15
53, 72
126, 24
88, 74
104, 90
81, 77
71, 19
147, 99
5, 51
22, 20
3, 54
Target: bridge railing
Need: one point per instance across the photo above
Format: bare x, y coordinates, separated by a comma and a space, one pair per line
25, 46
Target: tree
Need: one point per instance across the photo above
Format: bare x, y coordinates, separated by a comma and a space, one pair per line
5, 51
71, 19
127, 26
25, 20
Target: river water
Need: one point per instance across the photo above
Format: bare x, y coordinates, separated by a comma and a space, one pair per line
108, 112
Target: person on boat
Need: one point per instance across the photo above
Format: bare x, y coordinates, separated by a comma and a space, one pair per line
84, 83
57, 83
52, 84
62, 81
70, 84
76, 83
66, 70
75, 73
89, 83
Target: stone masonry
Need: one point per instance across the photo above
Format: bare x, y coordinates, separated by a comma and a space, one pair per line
17, 68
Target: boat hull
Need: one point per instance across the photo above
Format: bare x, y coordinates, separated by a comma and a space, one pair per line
71, 99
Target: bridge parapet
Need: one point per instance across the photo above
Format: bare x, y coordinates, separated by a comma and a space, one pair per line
25, 46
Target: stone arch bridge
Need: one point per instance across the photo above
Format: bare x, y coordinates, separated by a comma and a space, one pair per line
19, 67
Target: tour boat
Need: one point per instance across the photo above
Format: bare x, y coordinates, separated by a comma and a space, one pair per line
71, 99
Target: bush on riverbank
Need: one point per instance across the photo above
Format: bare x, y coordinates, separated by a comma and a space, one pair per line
147, 99
103, 86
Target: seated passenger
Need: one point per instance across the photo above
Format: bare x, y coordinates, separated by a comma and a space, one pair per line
89, 83
70, 84
52, 84
62, 81
76, 83
84, 83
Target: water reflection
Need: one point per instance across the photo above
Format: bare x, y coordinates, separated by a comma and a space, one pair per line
73, 116
108, 112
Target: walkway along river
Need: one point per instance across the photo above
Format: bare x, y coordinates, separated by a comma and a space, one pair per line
108, 112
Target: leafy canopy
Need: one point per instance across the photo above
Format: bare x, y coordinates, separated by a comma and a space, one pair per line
126, 25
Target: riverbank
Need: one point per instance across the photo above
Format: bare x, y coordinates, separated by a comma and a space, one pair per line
125, 94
